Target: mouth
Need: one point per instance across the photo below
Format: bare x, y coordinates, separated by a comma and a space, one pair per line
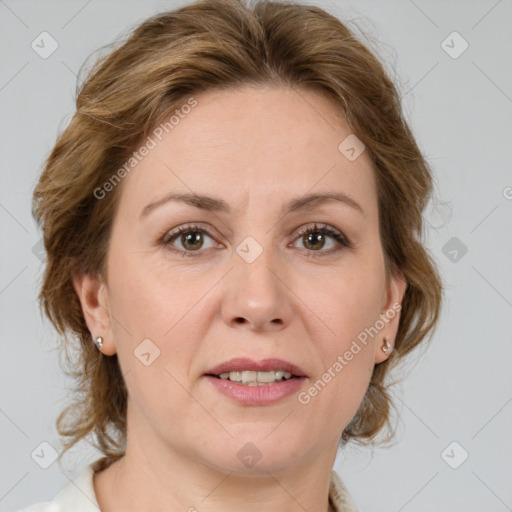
249, 378
248, 382
250, 372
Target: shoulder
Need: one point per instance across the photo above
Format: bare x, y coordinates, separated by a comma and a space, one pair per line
77, 496
44, 506
339, 495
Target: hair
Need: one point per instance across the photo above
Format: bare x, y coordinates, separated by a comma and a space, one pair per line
204, 46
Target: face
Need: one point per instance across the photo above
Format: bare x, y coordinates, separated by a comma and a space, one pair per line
245, 281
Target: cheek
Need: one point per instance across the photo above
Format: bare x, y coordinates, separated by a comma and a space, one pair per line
149, 296
346, 301
156, 398
346, 306
334, 395
156, 310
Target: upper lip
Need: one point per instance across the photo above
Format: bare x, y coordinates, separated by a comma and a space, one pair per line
263, 365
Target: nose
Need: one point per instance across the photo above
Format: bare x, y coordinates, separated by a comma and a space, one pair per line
256, 295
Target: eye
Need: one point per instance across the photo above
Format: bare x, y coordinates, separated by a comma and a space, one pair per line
315, 237
191, 237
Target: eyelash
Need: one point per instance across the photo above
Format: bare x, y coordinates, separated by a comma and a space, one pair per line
194, 228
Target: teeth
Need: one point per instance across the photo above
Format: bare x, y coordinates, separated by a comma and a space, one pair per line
247, 377
256, 378
235, 376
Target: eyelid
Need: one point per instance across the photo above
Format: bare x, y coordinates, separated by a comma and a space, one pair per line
190, 226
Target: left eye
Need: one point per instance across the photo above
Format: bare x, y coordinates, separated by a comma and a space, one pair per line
311, 236
191, 238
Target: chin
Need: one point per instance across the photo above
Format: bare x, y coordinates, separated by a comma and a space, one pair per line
255, 454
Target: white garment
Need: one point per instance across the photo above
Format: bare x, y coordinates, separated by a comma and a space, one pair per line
79, 496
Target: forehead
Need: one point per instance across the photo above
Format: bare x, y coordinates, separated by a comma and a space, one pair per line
252, 145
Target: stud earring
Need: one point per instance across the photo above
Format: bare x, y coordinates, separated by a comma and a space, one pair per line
99, 342
387, 345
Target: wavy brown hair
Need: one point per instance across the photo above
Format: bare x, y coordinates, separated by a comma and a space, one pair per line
208, 45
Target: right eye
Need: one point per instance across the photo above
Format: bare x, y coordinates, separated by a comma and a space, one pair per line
191, 238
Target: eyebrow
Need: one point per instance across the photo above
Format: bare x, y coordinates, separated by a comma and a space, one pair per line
212, 204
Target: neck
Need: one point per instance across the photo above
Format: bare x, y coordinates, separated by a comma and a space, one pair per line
202, 476
180, 483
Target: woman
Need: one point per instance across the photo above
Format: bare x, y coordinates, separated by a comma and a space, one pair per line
233, 223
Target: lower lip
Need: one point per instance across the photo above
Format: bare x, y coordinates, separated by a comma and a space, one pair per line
257, 395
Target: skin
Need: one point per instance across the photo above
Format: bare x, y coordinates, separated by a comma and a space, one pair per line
256, 148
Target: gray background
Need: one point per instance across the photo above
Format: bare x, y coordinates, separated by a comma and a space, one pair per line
460, 111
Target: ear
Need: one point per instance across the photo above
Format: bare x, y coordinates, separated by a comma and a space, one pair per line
395, 291
92, 292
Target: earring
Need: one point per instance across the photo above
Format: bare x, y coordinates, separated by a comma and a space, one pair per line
387, 345
99, 342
